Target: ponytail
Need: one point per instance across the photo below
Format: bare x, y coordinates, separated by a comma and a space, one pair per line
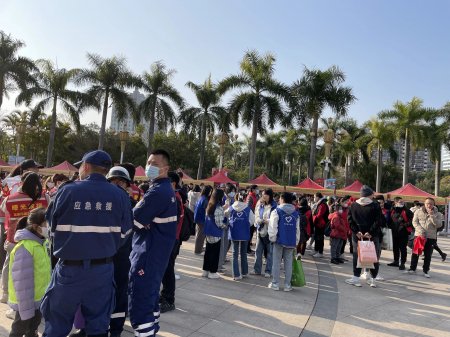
22, 224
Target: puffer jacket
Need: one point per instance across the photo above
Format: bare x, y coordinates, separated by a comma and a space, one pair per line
426, 224
338, 227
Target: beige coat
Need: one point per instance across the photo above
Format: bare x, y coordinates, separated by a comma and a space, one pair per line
426, 224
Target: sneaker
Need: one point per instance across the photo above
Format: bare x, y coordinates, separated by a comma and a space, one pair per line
244, 275
444, 257
410, 271
267, 275
426, 275
221, 270
334, 261
165, 307
371, 282
4, 298
402, 267
393, 264
78, 333
318, 255
379, 278
298, 256
236, 278
364, 276
177, 276
341, 260
309, 247
213, 275
255, 273
273, 286
205, 273
354, 281
287, 288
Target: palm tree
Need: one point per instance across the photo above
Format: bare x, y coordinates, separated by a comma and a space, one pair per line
108, 79
408, 119
261, 104
14, 70
17, 121
205, 117
382, 137
155, 109
313, 92
51, 89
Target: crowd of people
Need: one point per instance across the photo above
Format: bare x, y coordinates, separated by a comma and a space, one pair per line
87, 251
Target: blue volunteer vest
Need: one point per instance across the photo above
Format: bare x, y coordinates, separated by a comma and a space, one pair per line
287, 228
200, 210
240, 224
211, 228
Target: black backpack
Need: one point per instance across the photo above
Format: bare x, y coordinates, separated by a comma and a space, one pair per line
188, 225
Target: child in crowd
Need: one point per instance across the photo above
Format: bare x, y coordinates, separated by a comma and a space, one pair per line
338, 232
284, 232
29, 273
214, 225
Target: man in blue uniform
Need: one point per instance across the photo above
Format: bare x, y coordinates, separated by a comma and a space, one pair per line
155, 223
87, 219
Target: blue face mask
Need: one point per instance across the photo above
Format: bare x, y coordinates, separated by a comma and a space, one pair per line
152, 172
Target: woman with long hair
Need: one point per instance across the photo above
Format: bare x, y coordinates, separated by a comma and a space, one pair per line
200, 217
215, 222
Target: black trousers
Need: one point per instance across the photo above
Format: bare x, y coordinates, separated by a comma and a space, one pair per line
427, 252
29, 327
436, 248
319, 239
168, 281
399, 242
211, 258
252, 231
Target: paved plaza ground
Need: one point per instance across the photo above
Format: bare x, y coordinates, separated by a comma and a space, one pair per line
402, 305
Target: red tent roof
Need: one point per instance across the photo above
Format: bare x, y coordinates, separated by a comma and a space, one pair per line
64, 166
185, 175
220, 178
262, 180
3, 163
410, 190
308, 183
140, 172
355, 187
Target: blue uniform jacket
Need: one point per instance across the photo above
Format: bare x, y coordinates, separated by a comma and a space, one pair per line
287, 228
200, 210
88, 218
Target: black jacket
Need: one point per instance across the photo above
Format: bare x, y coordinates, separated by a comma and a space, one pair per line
365, 219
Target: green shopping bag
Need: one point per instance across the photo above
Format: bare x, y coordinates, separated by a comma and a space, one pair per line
298, 276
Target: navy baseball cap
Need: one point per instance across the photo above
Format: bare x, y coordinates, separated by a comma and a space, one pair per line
97, 157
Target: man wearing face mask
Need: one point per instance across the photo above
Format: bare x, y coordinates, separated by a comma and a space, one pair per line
87, 220
155, 224
401, 226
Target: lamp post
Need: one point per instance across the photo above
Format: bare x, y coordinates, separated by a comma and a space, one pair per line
20, 131
123, 136
223, 139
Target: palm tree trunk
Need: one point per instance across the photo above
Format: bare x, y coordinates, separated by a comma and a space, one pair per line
406, 159
103, 126
2, 86
290, 173
299, 172
437, 174
312, 153
347, 179
51, 142
151, 131
202, 146
379, 168
251, 170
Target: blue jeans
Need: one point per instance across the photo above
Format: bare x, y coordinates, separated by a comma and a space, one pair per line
240, 246
262, 244
287, 254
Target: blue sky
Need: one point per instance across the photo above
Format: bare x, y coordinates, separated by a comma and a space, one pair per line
389, 50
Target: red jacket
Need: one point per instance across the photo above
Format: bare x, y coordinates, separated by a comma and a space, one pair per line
320, 216
347, 225
252, 196
338, 227
309, 222
16, 206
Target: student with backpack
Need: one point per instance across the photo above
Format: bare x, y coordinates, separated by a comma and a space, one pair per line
284, 232
29, 273
241, 217
214, 225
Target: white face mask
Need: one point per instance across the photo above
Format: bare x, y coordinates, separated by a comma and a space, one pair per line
231, 194
50, 185
44, 232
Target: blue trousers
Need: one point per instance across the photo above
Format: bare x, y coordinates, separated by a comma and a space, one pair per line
91, 287
240, 247
149, 259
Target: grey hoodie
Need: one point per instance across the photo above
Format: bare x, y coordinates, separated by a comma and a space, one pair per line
239, 206
273, 222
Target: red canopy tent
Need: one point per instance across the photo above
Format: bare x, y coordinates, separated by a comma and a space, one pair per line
140, 172
351, 189
65, 167
409, 192
185, 175
262, 180
308, 183
3, 163
220, 178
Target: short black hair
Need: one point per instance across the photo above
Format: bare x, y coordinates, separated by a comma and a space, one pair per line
253, 187
287, 197
130, 168
379, 197
164, 153
174, 177
319, 195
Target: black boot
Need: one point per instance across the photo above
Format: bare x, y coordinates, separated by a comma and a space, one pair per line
393, 264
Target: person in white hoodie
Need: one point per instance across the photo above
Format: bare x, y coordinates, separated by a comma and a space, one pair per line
241, 217
284, 232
